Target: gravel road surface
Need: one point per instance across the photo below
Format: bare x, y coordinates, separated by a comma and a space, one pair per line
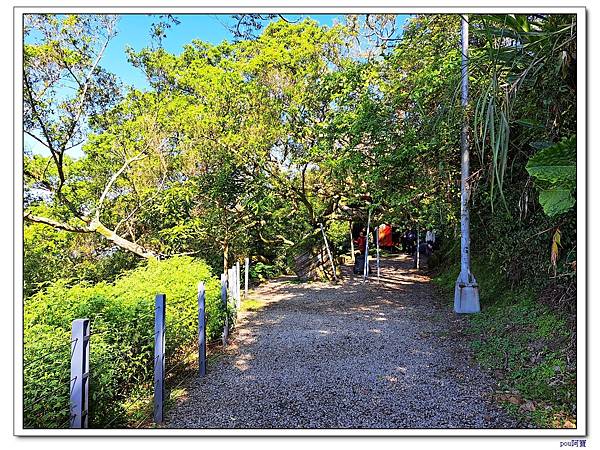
386, 354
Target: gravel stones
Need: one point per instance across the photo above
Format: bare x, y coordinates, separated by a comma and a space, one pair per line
351, 355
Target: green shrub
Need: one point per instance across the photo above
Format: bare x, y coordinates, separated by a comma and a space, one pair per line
122, 341
262, 272
51, 254
338, 236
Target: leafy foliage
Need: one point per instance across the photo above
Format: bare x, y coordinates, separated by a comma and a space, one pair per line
555, 169
122, 318
556, 201
520, 52
51, 254
261, 272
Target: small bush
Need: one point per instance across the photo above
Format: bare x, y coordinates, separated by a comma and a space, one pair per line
338, 236
122, 341
262, 272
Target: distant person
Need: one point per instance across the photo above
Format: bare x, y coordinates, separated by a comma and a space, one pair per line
437, 240
361, 242
430, 237
385, 235
403, 245
425, 252
411, 241
397, 240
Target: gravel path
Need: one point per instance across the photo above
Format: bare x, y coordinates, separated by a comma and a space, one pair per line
352, 355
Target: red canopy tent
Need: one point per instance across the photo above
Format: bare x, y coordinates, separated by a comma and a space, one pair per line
385, 236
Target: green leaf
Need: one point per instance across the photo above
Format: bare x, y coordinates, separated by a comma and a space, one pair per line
556, 201
556, 164
540, 145
529, 123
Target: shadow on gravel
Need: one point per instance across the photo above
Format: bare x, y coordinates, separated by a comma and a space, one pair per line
345, 355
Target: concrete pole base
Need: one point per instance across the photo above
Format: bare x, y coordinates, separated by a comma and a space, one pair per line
466, 297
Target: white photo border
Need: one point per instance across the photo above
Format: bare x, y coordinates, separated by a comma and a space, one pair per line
310, 7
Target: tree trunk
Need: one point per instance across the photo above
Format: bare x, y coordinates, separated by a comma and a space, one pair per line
95, 226
225, 256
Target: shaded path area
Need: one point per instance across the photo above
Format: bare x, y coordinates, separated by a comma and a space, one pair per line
352, 355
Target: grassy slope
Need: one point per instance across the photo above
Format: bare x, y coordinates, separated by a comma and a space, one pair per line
525, 346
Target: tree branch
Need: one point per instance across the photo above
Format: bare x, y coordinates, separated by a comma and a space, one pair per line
109, 234
86, 85
287, 20
42, 182
94, 227
37, 139
112, 180
56, 224
36, 114
278, 236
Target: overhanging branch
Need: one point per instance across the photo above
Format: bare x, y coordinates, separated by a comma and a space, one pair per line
56, 224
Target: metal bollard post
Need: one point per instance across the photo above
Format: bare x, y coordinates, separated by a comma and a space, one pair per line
159, 356
238, 296
224, 301
418, 245
378, 267
201, 330
246, 268
366, 266
230, 282
80, 366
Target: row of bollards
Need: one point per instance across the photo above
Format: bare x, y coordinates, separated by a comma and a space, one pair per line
80, 348
231, 282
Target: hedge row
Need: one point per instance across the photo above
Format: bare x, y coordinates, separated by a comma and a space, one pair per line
121, 344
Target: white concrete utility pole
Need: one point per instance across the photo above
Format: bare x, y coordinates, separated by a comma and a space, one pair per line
466, 291
238, 296
246, 270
